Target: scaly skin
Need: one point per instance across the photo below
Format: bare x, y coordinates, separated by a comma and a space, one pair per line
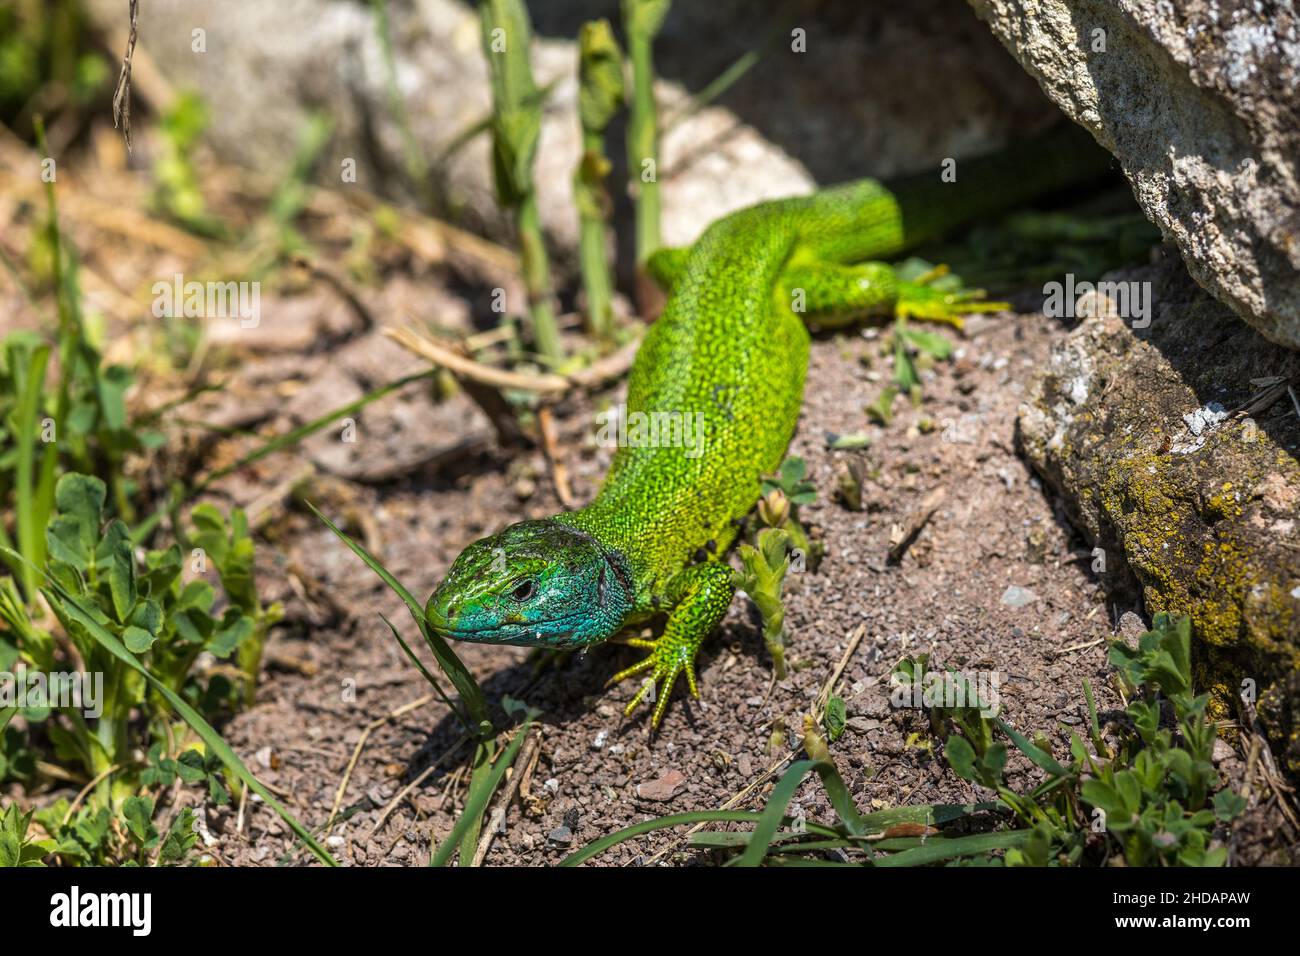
730, 351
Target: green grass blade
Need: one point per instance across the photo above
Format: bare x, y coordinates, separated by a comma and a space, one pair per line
785, 840
31, 543
841, 800
1048, 785
296, 435
1094, 725
1040, 757
140, 532
451, 665
478, 792
44, 499
210, 737
930, 814
805, 862
419, 665
68, 605
893, 844
345, 814
770, 820
938, 849
715, 88
596, 847
477, 800
787, 849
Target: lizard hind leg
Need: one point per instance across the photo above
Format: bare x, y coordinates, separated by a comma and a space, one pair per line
699, 597
831, 295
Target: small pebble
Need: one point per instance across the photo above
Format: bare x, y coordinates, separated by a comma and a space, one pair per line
1016, 596
860, 725
668, 785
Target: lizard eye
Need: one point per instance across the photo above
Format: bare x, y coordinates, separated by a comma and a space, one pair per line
524, 590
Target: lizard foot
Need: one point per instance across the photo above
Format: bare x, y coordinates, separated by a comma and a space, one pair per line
667, 659
941, 301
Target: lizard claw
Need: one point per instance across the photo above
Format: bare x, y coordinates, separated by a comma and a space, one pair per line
666, 660
920, 298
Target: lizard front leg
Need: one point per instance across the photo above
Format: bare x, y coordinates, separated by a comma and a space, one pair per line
667, 264
698, 599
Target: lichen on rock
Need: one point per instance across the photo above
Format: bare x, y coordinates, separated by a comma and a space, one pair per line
1166, 457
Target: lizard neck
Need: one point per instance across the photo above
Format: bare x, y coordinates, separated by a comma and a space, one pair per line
627, 550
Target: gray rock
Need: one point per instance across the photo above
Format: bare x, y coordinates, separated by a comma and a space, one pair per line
1198, 101
862, 725
1016, 596
1131, 628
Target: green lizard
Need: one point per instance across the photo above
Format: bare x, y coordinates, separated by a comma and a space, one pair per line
730, 351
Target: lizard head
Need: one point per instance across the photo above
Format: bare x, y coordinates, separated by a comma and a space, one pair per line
535, 583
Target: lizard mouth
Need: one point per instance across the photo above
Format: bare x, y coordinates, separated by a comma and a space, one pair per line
533, 634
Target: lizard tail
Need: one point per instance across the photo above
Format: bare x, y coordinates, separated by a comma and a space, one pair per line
1065, 157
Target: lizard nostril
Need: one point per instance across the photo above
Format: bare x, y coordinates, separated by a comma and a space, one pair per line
441, 611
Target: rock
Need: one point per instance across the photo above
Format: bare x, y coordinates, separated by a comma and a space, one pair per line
873, 112
560, 836
333, 387
294, 324
1198, 102
874, 702
1206, 528
1202, 418
1131, 628
1015, 596
862, 725
668, 785
374, 360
